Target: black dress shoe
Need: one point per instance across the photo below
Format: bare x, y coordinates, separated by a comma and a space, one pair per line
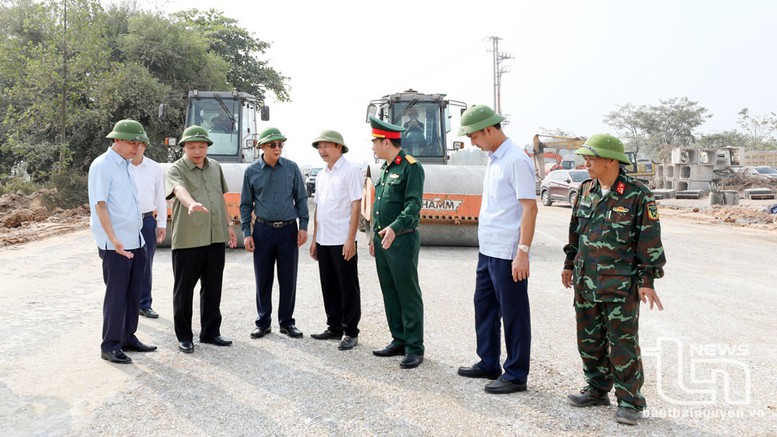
475, 372
348, 343
218, 341
118, 356
291, 331
186, 347
148, 312
391, 350
138, 347
411, 361
328, 335
260, 332
503, 386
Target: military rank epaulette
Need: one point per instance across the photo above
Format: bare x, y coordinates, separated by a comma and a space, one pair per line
410, 159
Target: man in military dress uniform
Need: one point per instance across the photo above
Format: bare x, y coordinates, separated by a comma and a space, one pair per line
613, 256
396, 243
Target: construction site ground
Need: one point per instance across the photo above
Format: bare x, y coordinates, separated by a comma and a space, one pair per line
709, 357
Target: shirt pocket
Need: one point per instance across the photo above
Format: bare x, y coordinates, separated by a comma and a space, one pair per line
614, 279
619, 225
583, 214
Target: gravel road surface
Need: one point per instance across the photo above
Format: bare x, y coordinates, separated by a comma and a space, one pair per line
710, 356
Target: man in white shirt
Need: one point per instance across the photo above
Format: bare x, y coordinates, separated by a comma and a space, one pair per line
336, 217
151, 193
508, 213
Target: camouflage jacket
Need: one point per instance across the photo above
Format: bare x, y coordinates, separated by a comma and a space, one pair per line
614, 240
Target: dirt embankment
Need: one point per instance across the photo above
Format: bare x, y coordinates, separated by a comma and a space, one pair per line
31, 217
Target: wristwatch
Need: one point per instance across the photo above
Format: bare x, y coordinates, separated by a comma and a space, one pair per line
523, 248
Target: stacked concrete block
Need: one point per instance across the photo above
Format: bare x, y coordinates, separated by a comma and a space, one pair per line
689, 170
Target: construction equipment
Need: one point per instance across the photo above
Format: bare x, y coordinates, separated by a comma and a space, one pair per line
453, 183
230, 118
541, 144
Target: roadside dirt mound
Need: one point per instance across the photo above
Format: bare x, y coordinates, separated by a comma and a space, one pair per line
748, 215
27, 217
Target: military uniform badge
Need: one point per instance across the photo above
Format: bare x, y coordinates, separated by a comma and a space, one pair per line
652, 209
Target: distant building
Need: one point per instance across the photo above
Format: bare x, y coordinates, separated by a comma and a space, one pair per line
760, 157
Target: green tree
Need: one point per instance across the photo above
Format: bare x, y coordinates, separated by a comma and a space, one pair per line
654, 130
758, 130
90, 67
731, 138
248, 73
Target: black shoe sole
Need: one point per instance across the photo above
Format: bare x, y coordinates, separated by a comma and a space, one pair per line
289, 334
481, 375
107, 358
520, 388
590, 403
223, 344
262, 334
332, 337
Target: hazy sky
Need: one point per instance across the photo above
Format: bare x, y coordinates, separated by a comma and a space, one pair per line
573, 61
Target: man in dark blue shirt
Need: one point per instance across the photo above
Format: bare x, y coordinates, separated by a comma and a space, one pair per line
274, 191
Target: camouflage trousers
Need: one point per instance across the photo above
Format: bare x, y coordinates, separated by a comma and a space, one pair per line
608, 343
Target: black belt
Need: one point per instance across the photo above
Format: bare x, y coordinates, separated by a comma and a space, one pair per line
148, 214
278, 224
406, 231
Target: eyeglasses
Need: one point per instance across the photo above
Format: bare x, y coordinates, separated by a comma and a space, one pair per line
278, 144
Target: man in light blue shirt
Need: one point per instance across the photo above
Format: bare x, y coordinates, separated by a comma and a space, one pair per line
115, 220
508, 213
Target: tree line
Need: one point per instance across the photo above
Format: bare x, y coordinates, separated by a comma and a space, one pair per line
653, 130
69, 69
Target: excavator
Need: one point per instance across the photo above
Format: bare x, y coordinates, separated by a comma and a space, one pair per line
230, 118
542, 144
453, 185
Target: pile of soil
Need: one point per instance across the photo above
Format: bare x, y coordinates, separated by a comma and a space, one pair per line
28, 217
750, 213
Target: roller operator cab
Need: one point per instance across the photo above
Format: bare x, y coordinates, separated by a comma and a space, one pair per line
454, 174
231, 120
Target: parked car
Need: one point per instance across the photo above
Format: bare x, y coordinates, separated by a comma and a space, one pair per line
765, 170
561, 186
310, 183
761, 170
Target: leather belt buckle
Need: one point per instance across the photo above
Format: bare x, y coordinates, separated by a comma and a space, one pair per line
278, 225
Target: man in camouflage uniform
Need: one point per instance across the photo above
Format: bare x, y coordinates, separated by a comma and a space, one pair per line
613, 256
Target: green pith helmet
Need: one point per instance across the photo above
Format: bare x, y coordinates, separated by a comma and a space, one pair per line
128, 130
193, 134
478, 117
331, 137
270, 134
604, 146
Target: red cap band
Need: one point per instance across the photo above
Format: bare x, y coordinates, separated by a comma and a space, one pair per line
378, 133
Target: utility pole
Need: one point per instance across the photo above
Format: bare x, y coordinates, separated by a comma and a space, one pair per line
498, 71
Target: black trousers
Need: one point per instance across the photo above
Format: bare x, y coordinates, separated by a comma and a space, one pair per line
123, 279
340, 287
275, 246
204, 264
